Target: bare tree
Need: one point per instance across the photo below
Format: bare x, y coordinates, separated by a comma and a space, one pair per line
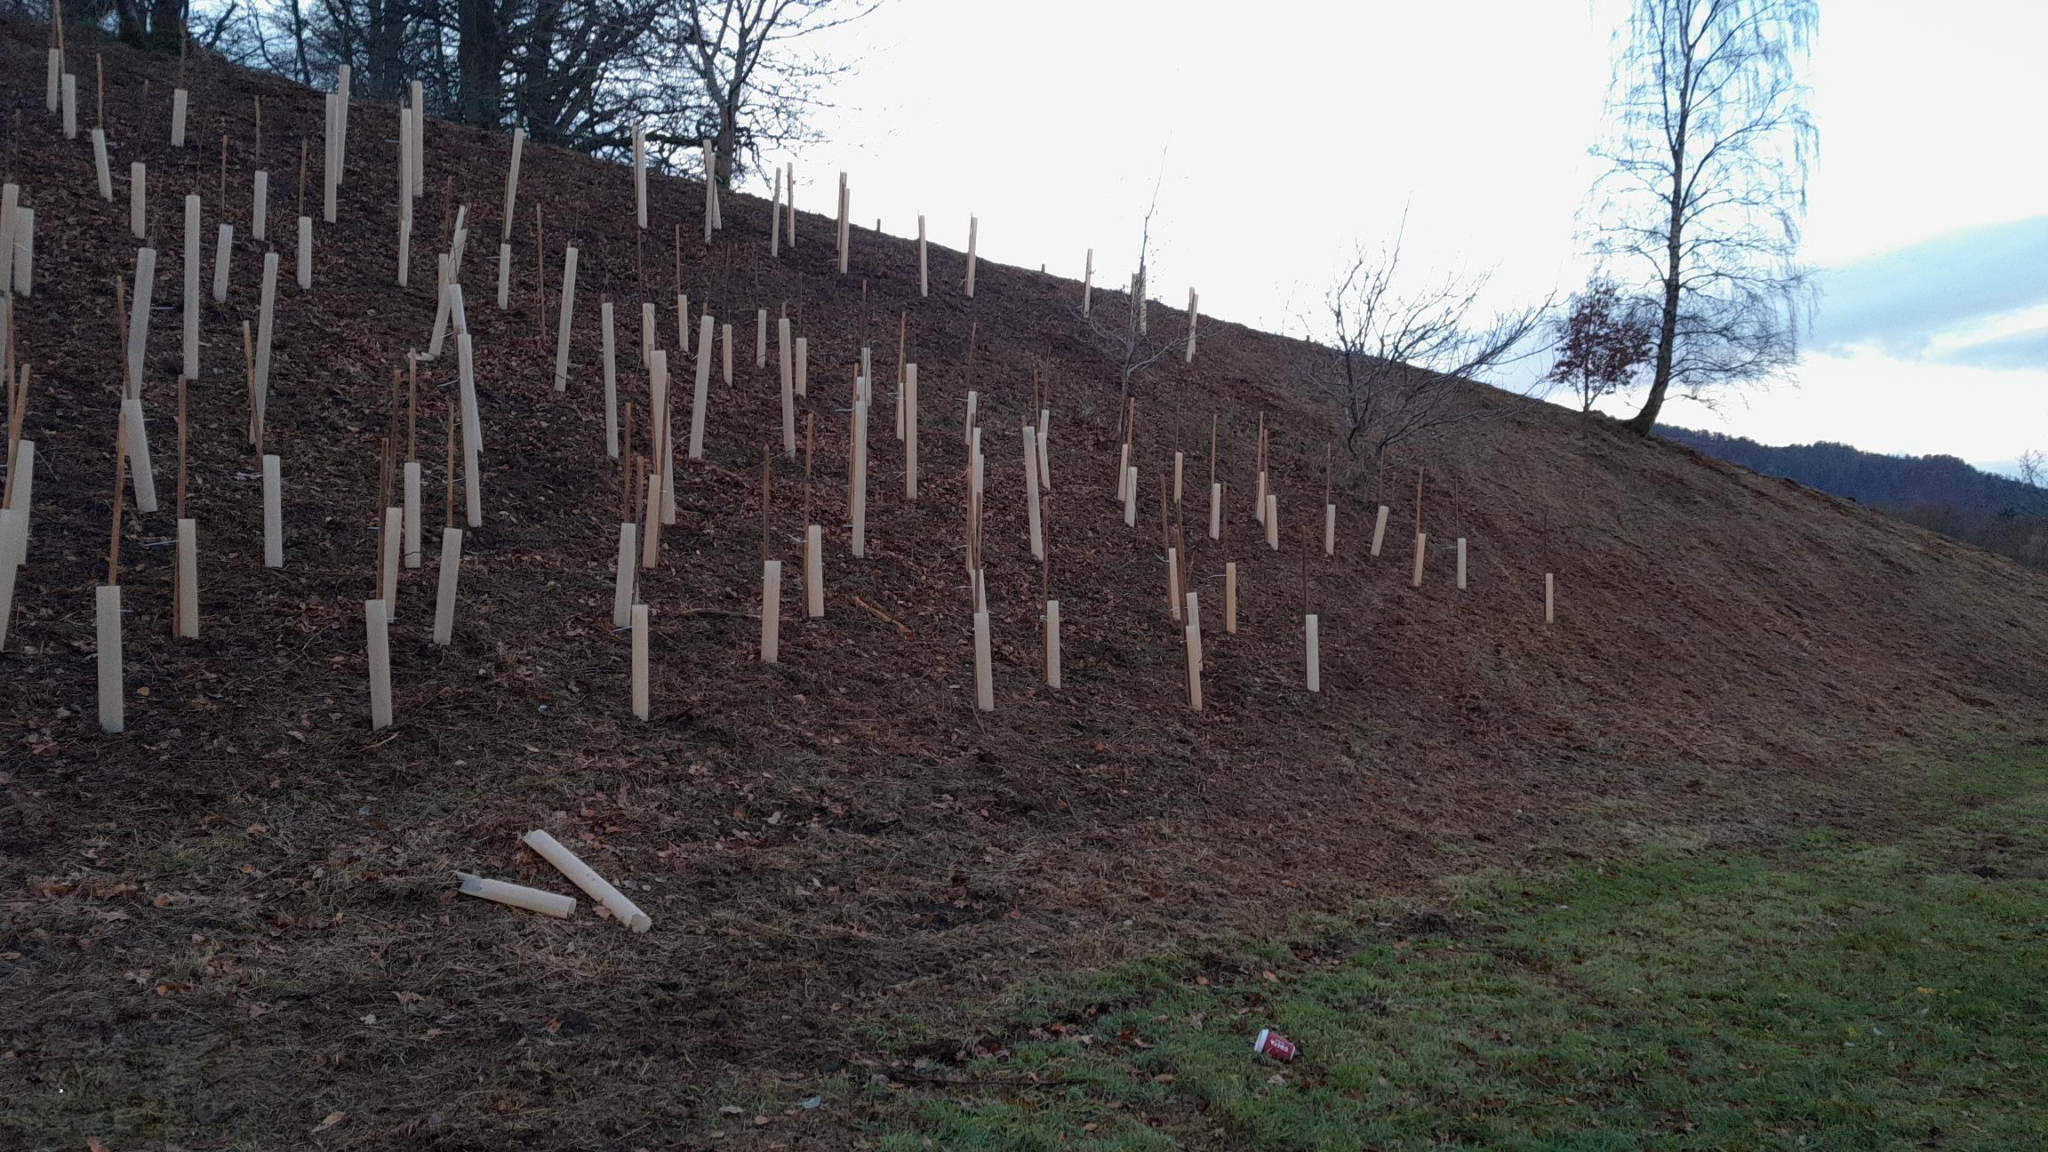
1706, 184
1603, 339
759, 84
1124, 339
2033, 468
1393, 356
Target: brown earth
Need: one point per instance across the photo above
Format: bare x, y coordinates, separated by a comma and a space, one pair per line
237, 918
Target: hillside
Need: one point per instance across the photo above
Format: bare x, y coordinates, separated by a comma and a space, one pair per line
237, 916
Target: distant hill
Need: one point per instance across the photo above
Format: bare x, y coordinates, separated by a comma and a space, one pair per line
1941, 493
1870, 477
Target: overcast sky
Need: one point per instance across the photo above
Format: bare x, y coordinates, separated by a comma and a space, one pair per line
1284, 133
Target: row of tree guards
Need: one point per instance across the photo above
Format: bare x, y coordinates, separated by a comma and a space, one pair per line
646, 455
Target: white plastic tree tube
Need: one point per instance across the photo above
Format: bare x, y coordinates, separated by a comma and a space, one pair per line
803, 366
99, 162
265, 324
69, 89
788, 386
1031, 493
138, 318
771, 611
305, 253
814, 571
984, 676
1379, 530
444, 598
377, 626
640, 174
107, 620
512, 186
622, 580
585, 877
1194, 310
273, 512
412, 513
138, 199
223, 252
53, 78
910, 431
14, 545
1273, 521
857, 495
1329, 529
472, 438
1043, 431
188, 579
1421, 548
725, 353
1230, 597
973, 232
24, 252
702, 396
9, 517
1216, 511
760, 337
1131, 496
1461, 563
259, 208
641, 641
611, 382
568, 314
517, 896
1173, 581
1052, 643
1315, 654
394, 537
179, 100
659, 413
137, 447
441, 299
191, 317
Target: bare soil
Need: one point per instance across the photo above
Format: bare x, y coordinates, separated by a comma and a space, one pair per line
238, 918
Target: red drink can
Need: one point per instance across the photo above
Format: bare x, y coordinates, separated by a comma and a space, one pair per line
1271, 1043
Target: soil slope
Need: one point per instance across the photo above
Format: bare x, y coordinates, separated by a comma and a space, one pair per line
237, 917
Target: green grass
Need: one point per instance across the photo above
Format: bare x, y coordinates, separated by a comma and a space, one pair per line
1825, 993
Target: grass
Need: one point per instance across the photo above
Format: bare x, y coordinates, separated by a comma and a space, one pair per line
1823, 993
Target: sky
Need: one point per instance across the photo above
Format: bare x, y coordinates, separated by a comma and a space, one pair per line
1281, 137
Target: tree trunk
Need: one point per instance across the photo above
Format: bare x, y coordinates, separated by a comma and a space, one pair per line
1667, 330
480, 58
725, 144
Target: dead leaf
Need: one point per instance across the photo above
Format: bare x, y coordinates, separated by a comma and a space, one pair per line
332, 1119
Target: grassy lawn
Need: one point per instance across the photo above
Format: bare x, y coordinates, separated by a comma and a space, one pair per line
1822, 993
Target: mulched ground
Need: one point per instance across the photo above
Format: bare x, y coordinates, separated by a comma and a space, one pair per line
237, 918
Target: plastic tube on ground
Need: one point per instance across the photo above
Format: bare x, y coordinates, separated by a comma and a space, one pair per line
585, 877
517, 896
